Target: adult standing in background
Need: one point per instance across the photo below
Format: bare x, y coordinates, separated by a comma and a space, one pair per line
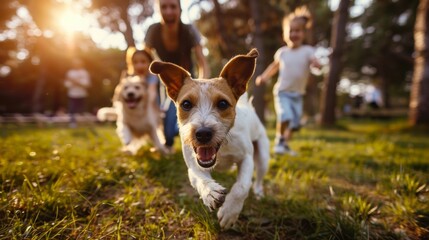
77, 82
173, 41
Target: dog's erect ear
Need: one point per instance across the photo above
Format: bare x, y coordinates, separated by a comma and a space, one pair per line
239, 70
171, 75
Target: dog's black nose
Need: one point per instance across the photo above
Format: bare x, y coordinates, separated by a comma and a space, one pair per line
204, 135
130, 95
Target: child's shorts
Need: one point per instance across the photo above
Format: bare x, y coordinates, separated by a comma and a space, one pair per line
288, 106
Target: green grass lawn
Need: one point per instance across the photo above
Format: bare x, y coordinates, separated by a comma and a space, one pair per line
362, 180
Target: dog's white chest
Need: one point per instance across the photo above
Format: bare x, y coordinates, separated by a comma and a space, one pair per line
239, 141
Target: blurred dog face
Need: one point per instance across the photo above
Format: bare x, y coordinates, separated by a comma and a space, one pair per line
131, 92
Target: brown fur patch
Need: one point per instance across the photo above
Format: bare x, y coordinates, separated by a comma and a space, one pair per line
215, 90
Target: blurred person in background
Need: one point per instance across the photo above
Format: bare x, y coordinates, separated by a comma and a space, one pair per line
77, 83
293, 62
173, 41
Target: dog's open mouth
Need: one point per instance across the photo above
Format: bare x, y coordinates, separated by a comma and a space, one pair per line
132, 102
206, 156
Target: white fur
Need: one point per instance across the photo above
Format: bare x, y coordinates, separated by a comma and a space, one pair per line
237, 148
107, 114
218, 132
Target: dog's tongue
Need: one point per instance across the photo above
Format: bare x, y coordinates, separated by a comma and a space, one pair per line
132, 104
206, 153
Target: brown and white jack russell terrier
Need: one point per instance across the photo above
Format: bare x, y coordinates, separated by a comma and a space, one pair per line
218, 129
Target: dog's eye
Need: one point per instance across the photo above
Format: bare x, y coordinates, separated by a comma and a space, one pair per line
137, 87
222, 104
186, 105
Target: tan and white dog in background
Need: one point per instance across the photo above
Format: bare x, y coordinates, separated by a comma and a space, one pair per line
218, 129
136, 116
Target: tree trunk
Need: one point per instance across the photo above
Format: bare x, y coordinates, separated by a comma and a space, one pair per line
328, 98
39, 87
311, 98
224, 47
419, 100
258, 91
128, 33
37, 105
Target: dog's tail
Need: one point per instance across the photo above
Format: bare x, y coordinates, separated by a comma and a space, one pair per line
107, 114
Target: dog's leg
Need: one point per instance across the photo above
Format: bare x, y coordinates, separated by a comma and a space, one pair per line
126, 137
231, 208
124, 133
212, 193
261, 158
156, 141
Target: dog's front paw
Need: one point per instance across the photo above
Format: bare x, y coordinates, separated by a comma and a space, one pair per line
228, 214
126, 150
258, 190
166, 150
214, 196
130, 149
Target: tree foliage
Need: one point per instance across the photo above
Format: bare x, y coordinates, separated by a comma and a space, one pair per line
381, 53
386, 46
229, 26
115, 15
37, 55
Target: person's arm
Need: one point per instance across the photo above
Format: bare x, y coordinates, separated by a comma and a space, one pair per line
195, 37
83, 82
203, 67
153, 94
314, 62
272, 69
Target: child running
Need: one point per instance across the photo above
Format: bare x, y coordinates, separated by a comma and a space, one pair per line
293, 64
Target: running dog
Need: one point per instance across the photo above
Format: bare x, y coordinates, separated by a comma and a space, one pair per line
218, 129
136, 116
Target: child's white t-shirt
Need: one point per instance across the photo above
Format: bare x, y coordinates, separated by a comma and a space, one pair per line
294, 68
81, 76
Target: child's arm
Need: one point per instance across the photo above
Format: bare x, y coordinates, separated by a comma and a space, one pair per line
153, 93
83, 82
268, 73
315, 63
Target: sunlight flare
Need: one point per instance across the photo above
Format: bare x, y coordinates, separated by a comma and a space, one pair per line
71, 22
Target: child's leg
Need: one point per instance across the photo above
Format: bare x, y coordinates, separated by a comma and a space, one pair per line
284, 114
283, 130
170, 125
288, 134
281, 126
294, 124
283, 117
73, 106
